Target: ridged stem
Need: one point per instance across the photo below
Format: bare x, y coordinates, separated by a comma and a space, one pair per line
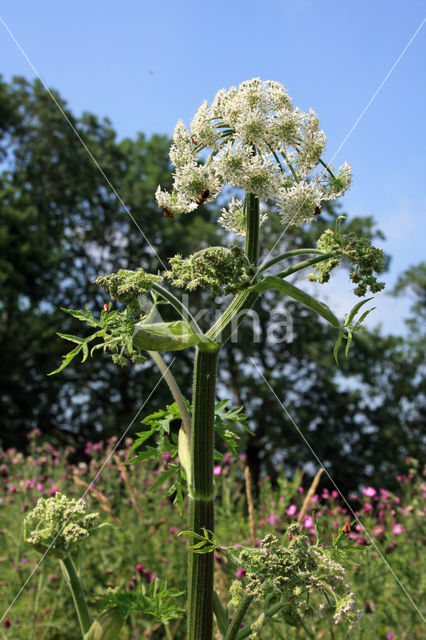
251, 206
74, 584
201, 501
201, 516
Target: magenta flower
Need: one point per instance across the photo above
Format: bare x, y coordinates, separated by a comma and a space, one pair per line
334, 494
390, 635
292, 509
309, 522
240, 573
217, 470
272, 519
370, 492
368, 507
398, 529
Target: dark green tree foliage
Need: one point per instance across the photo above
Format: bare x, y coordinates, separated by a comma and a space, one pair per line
61, 226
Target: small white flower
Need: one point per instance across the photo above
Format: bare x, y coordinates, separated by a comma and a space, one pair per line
260, 176
203, 130
283, 128
182, 148
230, 163
233, 218
299, 202
191, 180
335, 187
174, 203
250, 128
312, 144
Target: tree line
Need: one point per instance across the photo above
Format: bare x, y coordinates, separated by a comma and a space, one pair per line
61, 225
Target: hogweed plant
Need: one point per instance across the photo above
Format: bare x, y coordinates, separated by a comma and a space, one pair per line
253, 139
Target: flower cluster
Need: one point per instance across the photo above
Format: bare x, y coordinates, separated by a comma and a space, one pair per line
297, 574
127, 286
56, 525
359, 251
259, 142
213, 269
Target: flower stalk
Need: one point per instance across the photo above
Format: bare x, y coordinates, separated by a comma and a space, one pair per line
201, 511
74, 584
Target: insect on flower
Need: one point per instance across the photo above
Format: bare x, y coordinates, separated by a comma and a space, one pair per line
317, 211
202, 196
347, 528
167, 213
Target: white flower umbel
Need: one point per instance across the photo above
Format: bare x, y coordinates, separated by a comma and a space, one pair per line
174, 203
203, 132
182, 150
196, 181
233, 218
335, 185
260, 143
298, 203
56, 525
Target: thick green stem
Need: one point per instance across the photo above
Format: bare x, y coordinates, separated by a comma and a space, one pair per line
74, 584
200, 603
232, 317
251, 205
201, 501
241, 611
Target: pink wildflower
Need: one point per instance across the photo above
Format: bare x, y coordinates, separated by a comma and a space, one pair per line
369, 491
240, 573
217, 470
368, 507
398, 528
292, 510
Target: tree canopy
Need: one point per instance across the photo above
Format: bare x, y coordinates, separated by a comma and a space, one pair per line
62, 225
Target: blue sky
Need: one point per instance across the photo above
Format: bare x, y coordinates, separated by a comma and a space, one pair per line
145, 64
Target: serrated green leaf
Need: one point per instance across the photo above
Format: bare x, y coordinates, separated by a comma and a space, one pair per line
362, 318
355, 309
348, 344
83, 316
85, 351
163, 477
337, 347
71, 338
221, 405
140, 440
147, 454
